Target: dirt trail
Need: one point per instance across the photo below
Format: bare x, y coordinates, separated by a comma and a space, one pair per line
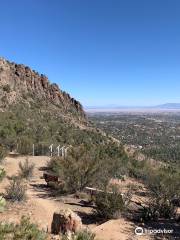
40, 206
119, 229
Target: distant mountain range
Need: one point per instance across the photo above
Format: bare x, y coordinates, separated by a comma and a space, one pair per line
169, 106
109, 108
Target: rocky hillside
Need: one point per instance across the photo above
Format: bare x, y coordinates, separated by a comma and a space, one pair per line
34, 111
21, 84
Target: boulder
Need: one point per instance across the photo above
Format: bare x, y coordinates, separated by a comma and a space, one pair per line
65, 221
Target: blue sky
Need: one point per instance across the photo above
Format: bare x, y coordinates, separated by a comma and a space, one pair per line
123, 52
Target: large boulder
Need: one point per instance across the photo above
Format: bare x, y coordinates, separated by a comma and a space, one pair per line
65, 221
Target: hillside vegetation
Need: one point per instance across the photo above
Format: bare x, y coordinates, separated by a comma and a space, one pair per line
34, 111
35, 114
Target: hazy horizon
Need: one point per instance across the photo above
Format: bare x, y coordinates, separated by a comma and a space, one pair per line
129, 106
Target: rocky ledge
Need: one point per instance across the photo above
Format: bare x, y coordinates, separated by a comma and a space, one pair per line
19, 82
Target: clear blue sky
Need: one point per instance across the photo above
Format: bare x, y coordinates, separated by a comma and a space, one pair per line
124, 52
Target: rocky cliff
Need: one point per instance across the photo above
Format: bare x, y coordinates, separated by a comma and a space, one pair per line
19, 83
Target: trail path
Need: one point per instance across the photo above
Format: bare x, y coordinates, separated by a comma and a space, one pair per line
40, 206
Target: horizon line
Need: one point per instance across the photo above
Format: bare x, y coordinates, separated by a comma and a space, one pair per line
133, 106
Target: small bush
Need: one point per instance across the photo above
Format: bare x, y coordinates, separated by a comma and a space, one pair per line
2, 174
24, 145
7, 88
82, 235
87, 165
3, 153
26, 169
109, 205
2, 203
81, 195
41, 149
176, 201
6, 230
163, 186
23, 231
16, 191
156, 210
138, 169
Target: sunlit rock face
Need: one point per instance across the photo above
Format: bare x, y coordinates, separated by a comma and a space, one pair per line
19, 83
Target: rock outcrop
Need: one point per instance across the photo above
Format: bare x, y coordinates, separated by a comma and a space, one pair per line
65, 221
19, 83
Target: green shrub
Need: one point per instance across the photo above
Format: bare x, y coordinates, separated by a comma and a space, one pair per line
77, 170
109, 204
58, 187
24, 145
16, 191
3, 153
6, 231
138, 169
158, 209
82, 235
2, 203
163, 186
23, 231
2, 174
85, 235
41, 149
87, 165
26, 169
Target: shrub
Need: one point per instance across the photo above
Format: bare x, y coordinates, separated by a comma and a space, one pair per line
2, 203
41, 149
6, 230
78, 169
81, 195
16, 191
25, 230
138, 169
58, 187
85, 235
7, 88
158, 209
2, 174
109, 204
82, 235
87, 165
24, 146
3, 153
26, 169
163, 185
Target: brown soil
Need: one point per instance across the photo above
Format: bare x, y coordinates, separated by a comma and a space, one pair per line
41, 204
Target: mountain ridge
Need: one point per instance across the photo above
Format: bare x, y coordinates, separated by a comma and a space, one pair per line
169, 105
20, 84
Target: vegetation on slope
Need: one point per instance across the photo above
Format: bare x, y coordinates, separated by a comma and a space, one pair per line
24, 230
90, 165
155, 135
